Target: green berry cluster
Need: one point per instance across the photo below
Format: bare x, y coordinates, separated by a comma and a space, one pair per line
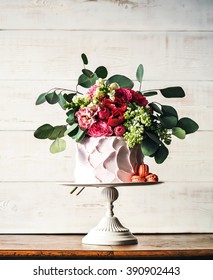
136, 119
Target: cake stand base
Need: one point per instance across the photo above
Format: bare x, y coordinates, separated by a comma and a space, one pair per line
109, 231
109, 237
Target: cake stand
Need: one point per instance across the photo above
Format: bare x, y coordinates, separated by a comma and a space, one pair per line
109, 230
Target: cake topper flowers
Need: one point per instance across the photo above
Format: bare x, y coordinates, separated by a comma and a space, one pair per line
111, 107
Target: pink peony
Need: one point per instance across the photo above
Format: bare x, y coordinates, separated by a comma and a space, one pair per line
99, 129
85, 117
119, 130
104, 113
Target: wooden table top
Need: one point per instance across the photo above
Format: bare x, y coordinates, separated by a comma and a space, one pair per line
70, 246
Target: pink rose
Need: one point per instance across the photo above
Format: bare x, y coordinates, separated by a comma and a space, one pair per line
139, 99
99, 129
119, 130
85, 117
104, 113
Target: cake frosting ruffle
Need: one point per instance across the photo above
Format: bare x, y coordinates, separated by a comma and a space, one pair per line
106, 160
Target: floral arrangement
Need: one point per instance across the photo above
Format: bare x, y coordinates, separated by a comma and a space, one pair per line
111, 107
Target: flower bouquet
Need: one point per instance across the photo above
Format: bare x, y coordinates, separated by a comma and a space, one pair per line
111, 107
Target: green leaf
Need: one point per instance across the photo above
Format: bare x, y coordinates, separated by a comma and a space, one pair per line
178, 132
156, 108
172, 92
84, 58
58, 132
52, 98
79, 135
43, 131
153, 136
71, 128
188, 125
69, 97
41, 99
169, 111
139, 73
87, 82
168, 121
59, 145
149, 93
88, 73
62, 101
71, 117
149, 147
161, 154
101, 72
123, 81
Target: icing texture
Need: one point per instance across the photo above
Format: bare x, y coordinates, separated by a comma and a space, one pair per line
106, 160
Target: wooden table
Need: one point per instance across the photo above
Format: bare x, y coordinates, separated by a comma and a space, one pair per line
149, 246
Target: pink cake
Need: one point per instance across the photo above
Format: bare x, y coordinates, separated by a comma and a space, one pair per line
106, 160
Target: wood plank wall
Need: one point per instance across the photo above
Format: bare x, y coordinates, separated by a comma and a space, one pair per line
40, 46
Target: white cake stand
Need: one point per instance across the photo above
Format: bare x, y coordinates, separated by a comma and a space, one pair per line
109, 230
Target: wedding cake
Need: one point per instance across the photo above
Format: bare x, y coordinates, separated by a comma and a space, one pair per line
106, 160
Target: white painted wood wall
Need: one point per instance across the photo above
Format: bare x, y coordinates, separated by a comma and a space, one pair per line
40, 46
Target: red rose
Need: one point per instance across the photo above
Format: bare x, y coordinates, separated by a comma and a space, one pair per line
119, 130
99, 129
139, 99
116, 118
123, 95
108, 103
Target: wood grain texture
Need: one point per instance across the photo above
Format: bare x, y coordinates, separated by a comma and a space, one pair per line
36, 55
49, 208
101, 15
21, 96
43, 246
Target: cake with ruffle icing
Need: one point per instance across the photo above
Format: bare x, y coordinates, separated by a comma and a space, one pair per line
106, 160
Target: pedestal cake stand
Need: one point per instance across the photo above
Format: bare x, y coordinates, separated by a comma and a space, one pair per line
109, 230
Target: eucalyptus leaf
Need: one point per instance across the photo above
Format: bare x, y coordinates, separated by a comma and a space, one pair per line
123, 81
161, 154
41, 99
156, 108
149, 93
139, 73
70, 118
101, 72
172, 92
87, 82
59, 145
84, 58
179, 132
79, 135
188, 125
52, 98
58, 132
69, 97
43, 131
149, 147
62, 101
71, 128
88, 73
153, 136
169, 111
168, 121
